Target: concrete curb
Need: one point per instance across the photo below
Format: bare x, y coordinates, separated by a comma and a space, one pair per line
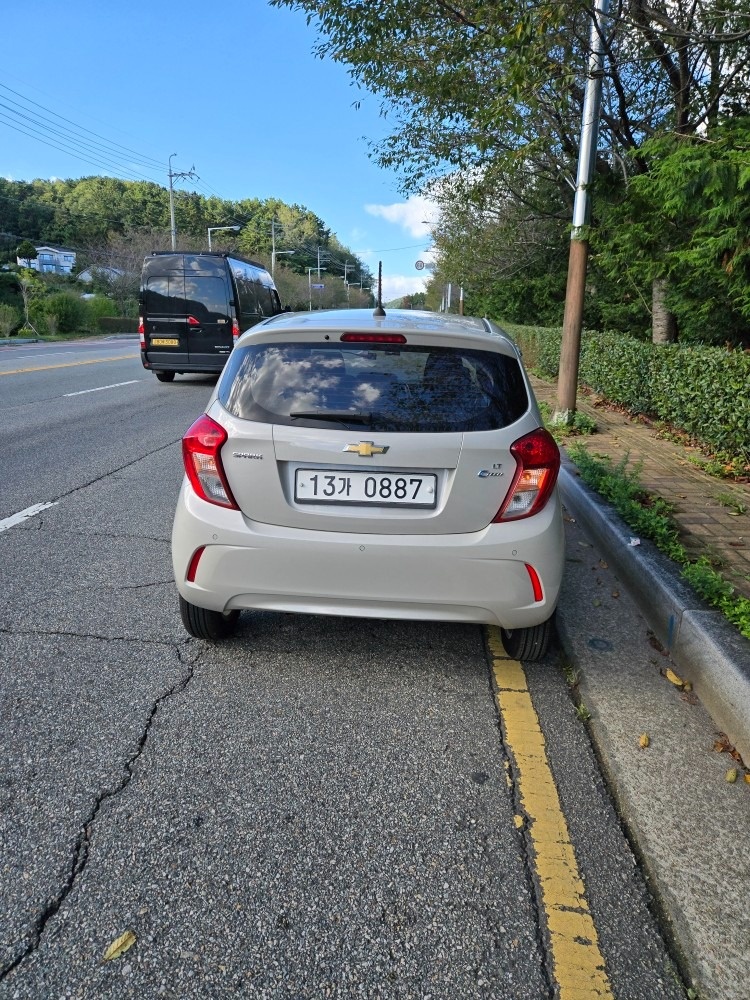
708, 651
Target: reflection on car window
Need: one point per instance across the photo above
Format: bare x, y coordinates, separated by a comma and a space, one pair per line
404, 388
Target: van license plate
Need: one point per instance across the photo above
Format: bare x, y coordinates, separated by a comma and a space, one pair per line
165, 342
382, 489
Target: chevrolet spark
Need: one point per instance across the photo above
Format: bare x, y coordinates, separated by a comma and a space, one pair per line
390, 466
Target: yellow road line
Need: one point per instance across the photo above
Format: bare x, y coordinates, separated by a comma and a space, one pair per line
577, 962
70, 364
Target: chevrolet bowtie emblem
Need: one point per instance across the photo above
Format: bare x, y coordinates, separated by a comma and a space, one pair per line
366, 449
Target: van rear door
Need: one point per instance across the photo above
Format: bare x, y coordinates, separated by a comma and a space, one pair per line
208, 320
163, 305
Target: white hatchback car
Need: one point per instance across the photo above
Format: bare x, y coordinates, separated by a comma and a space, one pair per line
376, 466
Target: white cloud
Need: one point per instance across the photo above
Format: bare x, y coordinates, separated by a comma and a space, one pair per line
415, 215
396, 285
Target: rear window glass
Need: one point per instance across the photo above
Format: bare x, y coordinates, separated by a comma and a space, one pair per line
383, 387
172, 295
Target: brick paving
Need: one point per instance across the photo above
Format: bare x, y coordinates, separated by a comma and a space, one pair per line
713, 514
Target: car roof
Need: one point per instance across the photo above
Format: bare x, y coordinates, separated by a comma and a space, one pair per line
404, 321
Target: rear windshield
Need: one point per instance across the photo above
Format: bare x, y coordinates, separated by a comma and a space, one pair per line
204, 297
383, 387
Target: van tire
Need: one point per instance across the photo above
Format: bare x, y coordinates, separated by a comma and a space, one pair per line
212, 626
528, 644
165, 376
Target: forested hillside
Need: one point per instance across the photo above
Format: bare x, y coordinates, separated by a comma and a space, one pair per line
113, 223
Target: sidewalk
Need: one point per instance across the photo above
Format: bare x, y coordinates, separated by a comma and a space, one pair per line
707, 509
714, 519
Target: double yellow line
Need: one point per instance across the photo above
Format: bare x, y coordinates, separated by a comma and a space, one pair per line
577, 962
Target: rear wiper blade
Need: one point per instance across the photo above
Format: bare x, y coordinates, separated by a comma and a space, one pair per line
341, 416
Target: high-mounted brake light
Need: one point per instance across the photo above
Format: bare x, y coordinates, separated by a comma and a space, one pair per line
537, 465
201, 454
373, 338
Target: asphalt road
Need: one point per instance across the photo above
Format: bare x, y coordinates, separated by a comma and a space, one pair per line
318, 808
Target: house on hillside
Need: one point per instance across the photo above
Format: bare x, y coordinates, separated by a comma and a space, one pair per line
57, 260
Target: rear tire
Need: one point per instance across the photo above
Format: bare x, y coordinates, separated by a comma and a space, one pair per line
212, 626
165, 376
529, 644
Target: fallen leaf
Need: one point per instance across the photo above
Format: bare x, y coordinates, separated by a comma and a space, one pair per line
722, 745
687, 686
747, 779
596, 602
644, 741
732, 775
603, 564
120, 946
615, 593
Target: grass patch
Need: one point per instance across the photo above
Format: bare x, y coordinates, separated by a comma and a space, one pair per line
578, 424
651, 517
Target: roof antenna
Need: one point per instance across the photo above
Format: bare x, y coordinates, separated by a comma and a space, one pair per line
379, 310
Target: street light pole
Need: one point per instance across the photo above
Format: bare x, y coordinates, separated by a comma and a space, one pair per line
567, 381
215, 229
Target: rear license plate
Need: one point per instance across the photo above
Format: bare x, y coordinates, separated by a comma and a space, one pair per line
381, 489
165, 342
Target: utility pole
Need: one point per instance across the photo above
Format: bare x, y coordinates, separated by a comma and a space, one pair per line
176, 176
567, 381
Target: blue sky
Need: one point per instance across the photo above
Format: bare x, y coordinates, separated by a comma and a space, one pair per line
234, 89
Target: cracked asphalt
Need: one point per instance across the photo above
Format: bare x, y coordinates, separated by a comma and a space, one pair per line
317, 808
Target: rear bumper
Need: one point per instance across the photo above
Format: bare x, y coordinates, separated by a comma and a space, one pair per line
479, 577
156, 361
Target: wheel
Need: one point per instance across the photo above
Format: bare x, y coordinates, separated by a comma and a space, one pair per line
213, 626
165, 376
528, 643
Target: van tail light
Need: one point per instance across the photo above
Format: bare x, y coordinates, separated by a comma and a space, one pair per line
235, 331
142, 333
201, 454
537, 465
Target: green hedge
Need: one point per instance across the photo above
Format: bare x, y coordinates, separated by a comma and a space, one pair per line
704, 391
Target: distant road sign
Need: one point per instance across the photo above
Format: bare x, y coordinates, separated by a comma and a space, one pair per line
317, 286
419, 265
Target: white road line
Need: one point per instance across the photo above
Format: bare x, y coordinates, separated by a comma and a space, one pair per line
114, 385
22, 515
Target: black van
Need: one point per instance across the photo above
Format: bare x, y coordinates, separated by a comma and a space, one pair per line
193, 307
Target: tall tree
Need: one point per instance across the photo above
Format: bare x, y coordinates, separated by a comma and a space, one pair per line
493, 91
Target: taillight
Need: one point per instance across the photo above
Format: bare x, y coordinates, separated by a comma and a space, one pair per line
192, 321
235, 331
142, 333
537, 465
201, 454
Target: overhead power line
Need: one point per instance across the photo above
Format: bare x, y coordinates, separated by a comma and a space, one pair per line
115, 149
